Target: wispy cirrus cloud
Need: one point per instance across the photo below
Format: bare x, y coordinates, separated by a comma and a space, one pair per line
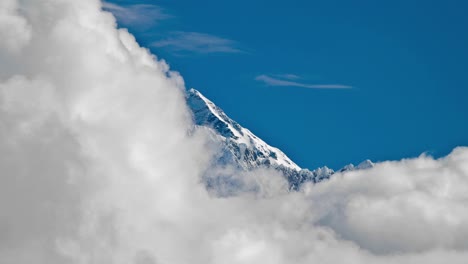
196, 42
292, 80
145, 15
288, 76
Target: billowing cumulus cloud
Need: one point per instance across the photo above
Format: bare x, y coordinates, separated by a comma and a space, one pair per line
414, 205
100, 164
15, 32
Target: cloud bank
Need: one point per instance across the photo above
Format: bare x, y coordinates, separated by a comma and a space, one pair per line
287, 80
100, 164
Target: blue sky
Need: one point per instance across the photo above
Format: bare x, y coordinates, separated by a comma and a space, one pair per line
328, 82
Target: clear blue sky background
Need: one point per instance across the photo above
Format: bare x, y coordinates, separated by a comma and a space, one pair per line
406, 60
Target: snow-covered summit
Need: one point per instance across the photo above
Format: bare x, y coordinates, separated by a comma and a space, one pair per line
365, 165
252, 151
242, 149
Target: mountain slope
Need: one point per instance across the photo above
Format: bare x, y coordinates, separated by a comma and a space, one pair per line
250, 151
245, 151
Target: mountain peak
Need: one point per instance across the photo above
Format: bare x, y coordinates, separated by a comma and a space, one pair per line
206, 113
245, 151
248, 149
365, 165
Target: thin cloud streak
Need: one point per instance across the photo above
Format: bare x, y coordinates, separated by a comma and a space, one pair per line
137, 15
196, 42
271, 81
288, 76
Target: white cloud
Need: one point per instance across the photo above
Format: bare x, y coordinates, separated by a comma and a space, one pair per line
410, 206
287, 80
97, 166
15, 31
288, 76
197, 43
